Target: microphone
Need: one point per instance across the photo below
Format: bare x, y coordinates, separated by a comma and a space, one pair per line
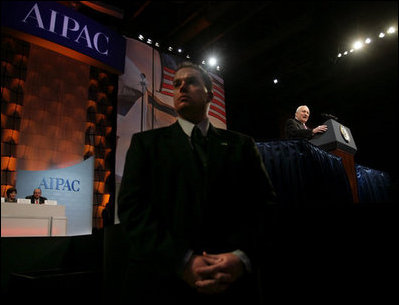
329, 116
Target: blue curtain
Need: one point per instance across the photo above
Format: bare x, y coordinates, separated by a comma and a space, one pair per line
373, 185
304, 175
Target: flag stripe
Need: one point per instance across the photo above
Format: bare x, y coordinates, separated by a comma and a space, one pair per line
218, 110
217, 116
218, 89
167, 93
217, 102
168, 77
218, 95
169, 70
167, 86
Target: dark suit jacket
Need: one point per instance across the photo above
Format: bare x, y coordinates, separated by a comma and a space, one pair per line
295, 130
32, 199
170, 203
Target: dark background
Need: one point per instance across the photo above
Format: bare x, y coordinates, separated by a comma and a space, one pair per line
296, 42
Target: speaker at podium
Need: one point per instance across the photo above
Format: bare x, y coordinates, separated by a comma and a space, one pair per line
337, 136
339, 141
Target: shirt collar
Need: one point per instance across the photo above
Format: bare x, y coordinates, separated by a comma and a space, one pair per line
187, 126
299, 121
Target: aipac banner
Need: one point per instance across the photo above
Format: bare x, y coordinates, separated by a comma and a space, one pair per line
63, 26
71, 186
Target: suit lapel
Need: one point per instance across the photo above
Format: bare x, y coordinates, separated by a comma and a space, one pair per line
299, 124
218, 147
177, 143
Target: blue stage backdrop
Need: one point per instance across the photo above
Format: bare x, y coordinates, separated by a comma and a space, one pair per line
71, 186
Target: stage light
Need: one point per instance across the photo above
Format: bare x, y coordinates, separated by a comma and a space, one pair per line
179, 50
141, 37
203, 62
275, 80
170, 49
149, 41
188, 56
364, 42
212, 61
157, 44
358, 45
218, 68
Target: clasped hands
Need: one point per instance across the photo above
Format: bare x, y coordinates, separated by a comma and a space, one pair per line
213, 273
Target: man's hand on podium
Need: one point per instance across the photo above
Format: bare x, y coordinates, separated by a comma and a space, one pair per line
319, 129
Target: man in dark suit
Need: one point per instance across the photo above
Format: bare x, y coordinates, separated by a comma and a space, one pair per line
296, 128
192, 200
36, 198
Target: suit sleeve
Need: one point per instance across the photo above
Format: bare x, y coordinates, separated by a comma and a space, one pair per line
293, 132
149, 242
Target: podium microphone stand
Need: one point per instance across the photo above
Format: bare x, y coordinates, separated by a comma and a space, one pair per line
338, 140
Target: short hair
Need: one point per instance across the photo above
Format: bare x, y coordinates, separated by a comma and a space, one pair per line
204, 74
300, 108
10, 190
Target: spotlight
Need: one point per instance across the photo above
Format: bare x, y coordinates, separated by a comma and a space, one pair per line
179, 50
339, 55
141, 37
346, 53
218, 68
170, 49
203, 62
351, 50
188, 56
149, 41
391, 30
358, 45
212, 61
275, 80
381, 35
157, 44
367, 41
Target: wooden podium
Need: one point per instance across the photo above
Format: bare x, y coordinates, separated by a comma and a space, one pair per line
338, 140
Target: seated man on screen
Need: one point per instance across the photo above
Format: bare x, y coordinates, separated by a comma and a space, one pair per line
296, 128
36, 198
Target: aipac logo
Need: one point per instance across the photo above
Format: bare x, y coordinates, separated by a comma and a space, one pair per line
60, 184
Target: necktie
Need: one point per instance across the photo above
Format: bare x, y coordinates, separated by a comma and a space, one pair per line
199, 144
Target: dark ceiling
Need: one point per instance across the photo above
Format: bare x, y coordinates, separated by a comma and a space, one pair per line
296, 42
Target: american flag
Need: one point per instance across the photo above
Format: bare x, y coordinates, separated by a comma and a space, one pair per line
217, 108
167, 81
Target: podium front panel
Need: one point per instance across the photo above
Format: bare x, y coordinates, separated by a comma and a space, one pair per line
32, 220
25, 226
337, 136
